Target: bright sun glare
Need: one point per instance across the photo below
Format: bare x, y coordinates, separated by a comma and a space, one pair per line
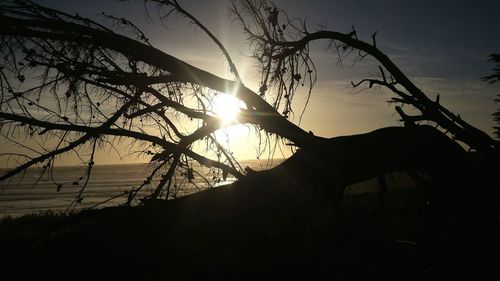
227, 107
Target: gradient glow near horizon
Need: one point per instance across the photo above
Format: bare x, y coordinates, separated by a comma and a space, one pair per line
441, 45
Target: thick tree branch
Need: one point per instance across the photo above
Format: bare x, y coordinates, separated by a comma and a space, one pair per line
461, 130
265, 114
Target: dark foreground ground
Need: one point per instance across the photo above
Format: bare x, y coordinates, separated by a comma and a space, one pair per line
318, 242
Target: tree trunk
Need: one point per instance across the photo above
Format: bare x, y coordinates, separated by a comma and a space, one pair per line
316, 174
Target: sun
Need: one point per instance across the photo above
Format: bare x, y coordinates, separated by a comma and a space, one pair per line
226, 107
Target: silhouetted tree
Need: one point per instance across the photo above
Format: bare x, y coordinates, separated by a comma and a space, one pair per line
495, 58
69, 83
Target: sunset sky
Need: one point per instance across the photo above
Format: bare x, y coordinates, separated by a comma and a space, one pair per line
441, 45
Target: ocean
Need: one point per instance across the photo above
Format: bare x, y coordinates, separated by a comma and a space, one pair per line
30, 193
108, 184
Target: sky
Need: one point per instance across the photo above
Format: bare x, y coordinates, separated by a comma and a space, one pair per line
441, 45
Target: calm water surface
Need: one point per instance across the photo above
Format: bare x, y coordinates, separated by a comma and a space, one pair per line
31, 193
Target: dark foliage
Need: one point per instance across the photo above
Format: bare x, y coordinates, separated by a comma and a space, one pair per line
495, 58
